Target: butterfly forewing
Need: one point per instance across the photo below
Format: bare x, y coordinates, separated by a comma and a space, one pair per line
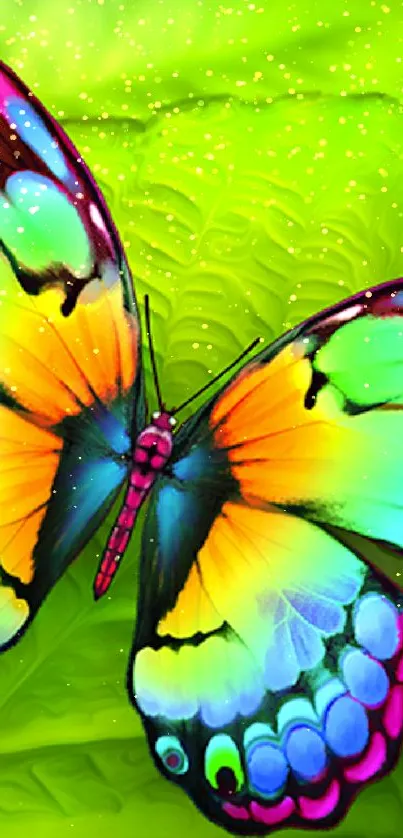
69, 339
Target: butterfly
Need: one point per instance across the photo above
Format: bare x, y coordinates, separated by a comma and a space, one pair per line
267, 659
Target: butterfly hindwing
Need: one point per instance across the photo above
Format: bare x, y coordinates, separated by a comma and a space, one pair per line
69, 341
267, 663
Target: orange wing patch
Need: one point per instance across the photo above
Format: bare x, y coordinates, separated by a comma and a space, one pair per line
29, 458
70, 359
246, 389
342, 468
262, 400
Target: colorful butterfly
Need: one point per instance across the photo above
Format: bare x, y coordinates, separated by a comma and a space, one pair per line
267, 662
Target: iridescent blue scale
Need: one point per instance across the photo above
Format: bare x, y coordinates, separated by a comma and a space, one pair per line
364, 677
346, 727
267, 768
305, 750
376, 625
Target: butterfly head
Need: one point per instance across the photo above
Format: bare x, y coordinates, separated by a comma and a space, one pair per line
163, 420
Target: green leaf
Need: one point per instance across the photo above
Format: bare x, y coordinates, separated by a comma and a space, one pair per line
251, 156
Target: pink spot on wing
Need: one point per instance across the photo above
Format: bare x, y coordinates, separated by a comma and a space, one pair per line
173, 761
393, 715
400, 632
321, 807
237, 812
7, 91
272, 814
371, 763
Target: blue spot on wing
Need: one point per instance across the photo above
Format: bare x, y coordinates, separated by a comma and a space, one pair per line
366, 678
177, 514
306, 752
196, 464
114, 432
267, 767
33, 132
376, 625
91, 484
397, 299
346, 727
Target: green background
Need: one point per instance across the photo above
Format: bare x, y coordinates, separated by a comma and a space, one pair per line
251, 156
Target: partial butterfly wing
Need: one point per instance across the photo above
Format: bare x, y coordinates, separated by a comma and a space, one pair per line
69, 373
267, 663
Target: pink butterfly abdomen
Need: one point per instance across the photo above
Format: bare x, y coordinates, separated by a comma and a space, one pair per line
151, 453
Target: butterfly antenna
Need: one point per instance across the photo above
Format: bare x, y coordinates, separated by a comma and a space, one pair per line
152, 353
217, 377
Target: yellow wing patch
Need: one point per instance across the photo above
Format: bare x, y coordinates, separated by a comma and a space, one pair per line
14, 613
193, 611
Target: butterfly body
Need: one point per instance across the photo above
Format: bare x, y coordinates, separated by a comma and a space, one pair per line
151, 453
267, 659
